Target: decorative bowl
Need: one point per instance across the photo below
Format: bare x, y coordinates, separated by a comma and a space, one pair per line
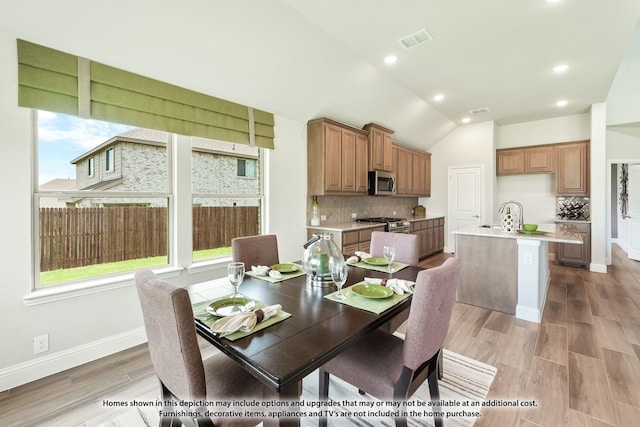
529, 227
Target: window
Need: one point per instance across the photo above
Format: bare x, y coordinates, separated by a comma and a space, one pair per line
90, 224
224, 201
109, 159
246, 168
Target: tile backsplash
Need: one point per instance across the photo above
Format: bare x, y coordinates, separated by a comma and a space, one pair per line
338, 209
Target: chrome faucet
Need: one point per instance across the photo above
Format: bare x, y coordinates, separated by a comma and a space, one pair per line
520, 211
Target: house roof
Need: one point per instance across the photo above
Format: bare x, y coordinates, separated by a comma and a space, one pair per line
58, 184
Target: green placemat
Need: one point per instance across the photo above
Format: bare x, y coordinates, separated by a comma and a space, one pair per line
373, 305
285, 276
200, 312
397, 266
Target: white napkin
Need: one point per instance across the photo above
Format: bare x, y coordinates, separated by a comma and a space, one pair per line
363, 255
244, 322
263, 270
399, 286
359, 256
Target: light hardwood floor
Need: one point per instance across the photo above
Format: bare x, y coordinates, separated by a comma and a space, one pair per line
580, 365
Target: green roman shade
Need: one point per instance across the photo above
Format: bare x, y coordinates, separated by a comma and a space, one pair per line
59, 82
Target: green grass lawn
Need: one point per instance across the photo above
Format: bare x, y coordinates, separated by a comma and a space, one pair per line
79, 273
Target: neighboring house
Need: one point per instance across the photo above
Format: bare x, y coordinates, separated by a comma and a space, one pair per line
136, 161
57, 184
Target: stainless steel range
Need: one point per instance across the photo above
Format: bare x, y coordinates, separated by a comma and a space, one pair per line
392, 225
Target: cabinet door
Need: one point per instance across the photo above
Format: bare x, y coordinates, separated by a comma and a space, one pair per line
387, 152
362, 166
415, 173
401, 171
376, 149
572, 176
539, 159
333, 164
426, 180
509, 162
348, 161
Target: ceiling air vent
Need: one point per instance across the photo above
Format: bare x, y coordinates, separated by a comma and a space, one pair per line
479, 110
415, 39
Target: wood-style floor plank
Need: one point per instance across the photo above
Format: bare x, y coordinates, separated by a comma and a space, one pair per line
581, 363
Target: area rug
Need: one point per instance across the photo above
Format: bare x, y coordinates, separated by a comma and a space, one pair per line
463, 388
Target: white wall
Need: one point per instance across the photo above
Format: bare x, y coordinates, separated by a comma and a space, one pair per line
623, 100
469, 145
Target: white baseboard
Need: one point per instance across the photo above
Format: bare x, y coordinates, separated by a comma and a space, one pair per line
50, 364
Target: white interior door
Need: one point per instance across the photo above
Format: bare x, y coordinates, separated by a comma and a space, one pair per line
465, 198
633, 187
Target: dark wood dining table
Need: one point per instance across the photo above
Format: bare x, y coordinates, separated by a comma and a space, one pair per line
281, 355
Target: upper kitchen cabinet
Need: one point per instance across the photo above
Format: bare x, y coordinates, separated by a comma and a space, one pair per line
336, 158
536, 159
380, 147
572, 174
413, 172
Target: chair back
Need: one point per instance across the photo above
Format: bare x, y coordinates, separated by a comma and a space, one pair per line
431, 306
255, 250
171, 333
407, 246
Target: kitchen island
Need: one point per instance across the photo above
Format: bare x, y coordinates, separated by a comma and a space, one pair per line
508, 272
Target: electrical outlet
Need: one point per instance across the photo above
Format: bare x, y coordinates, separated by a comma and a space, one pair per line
323, 217
527, 259
394, 212
40, 344
354, 215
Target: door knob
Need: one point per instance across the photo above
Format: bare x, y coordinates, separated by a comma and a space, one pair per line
476, 216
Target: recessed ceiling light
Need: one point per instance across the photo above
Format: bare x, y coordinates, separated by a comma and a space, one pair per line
466, 120
390, 59
439, 97
562, 103
560, 68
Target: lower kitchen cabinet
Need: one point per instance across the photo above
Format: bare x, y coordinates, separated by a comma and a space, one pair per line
575, 255
350, 241
431, 234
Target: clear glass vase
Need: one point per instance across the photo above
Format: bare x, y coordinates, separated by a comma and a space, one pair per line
320, 254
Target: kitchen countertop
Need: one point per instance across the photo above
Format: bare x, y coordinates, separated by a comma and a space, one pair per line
351, 226
560, 233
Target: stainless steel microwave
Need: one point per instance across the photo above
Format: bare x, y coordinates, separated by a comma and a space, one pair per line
382, 183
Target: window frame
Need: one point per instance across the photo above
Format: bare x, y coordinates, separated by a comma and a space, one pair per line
91, 166
110, 159
179, 195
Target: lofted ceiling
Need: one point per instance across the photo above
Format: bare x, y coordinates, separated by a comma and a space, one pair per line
494, 55
303, 59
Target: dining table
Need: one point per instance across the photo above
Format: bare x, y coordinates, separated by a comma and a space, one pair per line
318, 329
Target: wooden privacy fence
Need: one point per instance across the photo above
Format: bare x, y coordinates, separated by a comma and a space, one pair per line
76, 237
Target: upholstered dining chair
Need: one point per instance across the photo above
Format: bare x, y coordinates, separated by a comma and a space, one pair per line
407, 251
389, 368
255, 250
176, 357
407, 246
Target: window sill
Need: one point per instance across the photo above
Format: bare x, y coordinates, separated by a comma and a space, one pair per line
87, 287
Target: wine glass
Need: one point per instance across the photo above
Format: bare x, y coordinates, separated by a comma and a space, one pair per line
389, 253
235, 272
339, 276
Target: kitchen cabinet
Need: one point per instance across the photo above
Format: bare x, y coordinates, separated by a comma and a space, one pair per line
413, 172
380, 147
515, 161
509, 161
337, 159
350, 241
572, 175
430, 233
575, 255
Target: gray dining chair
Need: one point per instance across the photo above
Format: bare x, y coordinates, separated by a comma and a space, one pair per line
407, 246
390, 368
176, 357
255, 250
407, 251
